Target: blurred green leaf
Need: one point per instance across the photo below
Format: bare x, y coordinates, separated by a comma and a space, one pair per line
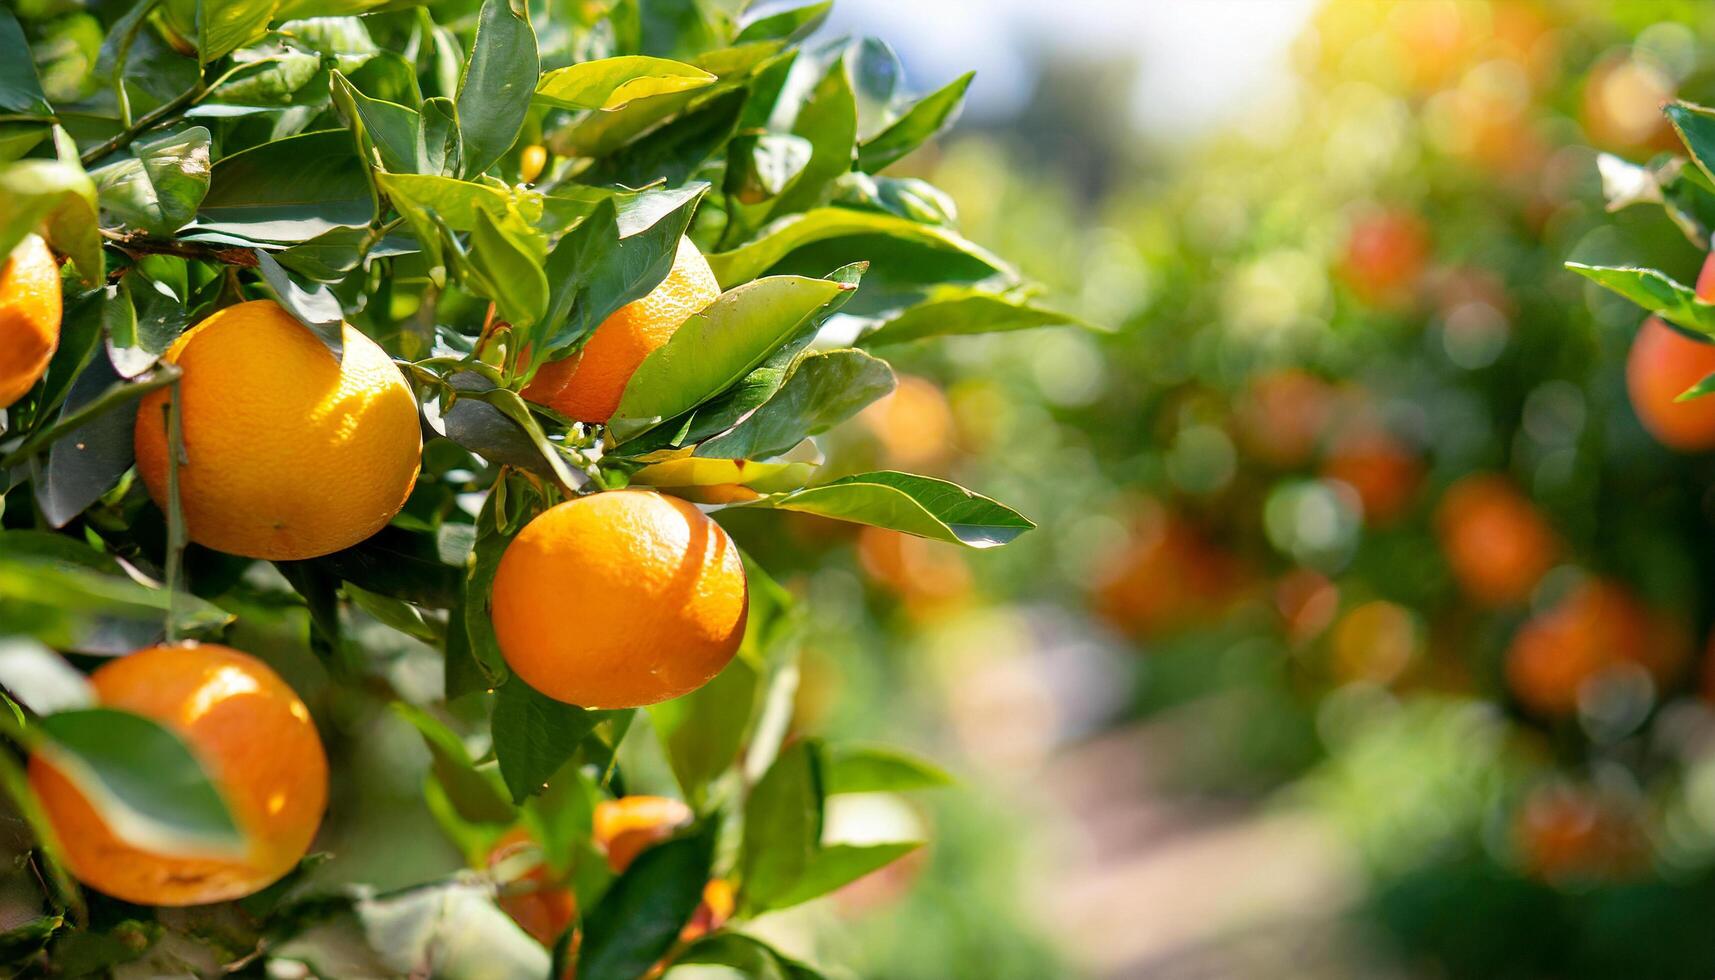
879, 769
148, 787
613, 83
919, 505
473, 793
748, 955
837, 865
793, 24
499, 80
719, 346
20, 89
703, 730
820, 391
59, 195
782, 825
40, 679
828, 120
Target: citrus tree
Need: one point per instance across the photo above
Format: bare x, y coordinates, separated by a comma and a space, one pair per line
425, 338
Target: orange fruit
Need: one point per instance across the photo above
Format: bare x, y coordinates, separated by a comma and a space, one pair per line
619, 599
1496, 542
1383, 471
926, 575
290, 452
531, 161
541, 904
913, 423
29, 316
1167, 577
1596, 626
586, 386
1281, 416
628, 826
1621, 111
254, 738
1568, 832
1386, 253
1661, 365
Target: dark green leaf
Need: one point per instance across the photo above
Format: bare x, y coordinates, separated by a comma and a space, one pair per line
290, 190
87, 461
494, 94
148, 787
534, 735
315, 306
821, 391
20, 89
748, 955
157, 191
387, 133
675, 151
639, 918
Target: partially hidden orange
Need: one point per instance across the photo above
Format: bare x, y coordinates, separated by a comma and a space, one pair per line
254, 738
29, 316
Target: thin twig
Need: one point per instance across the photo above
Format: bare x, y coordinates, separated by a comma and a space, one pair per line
148, 121
135, 245
175, 512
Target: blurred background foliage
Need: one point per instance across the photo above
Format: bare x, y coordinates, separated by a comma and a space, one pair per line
1366, 634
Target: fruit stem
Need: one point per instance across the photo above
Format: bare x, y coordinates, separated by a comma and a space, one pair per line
175, 514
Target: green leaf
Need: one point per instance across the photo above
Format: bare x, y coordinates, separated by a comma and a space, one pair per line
838, 865
422, 568
821, 391
81, 328
494, 94
439, 146
639, 918
290, 190
876, 75
472, 793
919, 505
613, 83
224, 26
315, 306
114, 396
93, 597
148, 787
40, 679
534, 735
508, 264
23, 941
140, 329
703, 731
601, 265
675, 151
760, 166
719, 346
1695, 125
1698, 390
461, 202
789, 234
20, 89
878, 769
59, 194
782, 825
513, 407
794, 24
931, 116
828, 120
957, 312
748, 955
88, 460
158, 190
387, 133
1676, 184
1650, 289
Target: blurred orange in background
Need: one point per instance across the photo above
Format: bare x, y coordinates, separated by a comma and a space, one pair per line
1498, 545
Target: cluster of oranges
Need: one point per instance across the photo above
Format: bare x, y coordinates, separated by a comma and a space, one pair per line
270, 417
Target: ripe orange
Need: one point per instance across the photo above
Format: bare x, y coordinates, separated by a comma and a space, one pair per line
1281, 416
913, 423
619, 599
1570, 832
628, 826
1167, 577
255, 739
289, 452
29, 316
1383, 471
1661, 365
542, 904
1596, 626
531, 161
1386, 254
1496, 542
586, 386
925, 575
